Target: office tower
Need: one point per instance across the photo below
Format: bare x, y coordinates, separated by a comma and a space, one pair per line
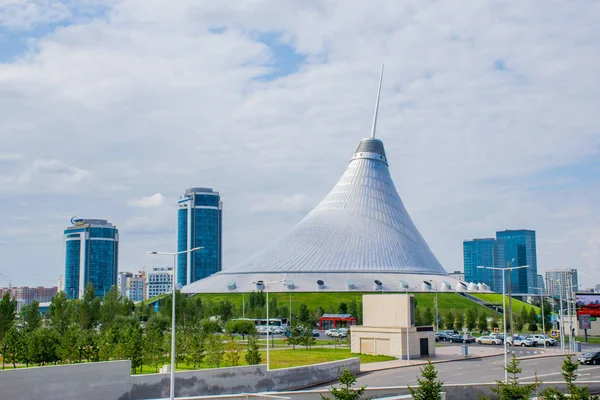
92, 252
561, 280
485, 253
519, 245
199, 224
159, 281
540, 284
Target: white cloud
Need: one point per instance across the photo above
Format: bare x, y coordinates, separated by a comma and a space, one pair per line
151, 101
154, 201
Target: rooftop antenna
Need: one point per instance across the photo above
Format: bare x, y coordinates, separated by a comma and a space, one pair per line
377, 104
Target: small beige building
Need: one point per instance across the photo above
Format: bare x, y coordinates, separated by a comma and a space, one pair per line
387, 320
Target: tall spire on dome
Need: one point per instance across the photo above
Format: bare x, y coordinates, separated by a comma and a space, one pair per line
377, 104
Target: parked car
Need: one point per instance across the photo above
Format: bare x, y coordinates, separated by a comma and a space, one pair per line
336, 333
316, 333
591, 357
462, 339
487, 340
519, 341
498, 336
541, 339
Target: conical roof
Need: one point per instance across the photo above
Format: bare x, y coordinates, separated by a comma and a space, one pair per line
360, 226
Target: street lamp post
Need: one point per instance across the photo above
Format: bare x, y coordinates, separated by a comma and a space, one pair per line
542, 307
437, 319
173, 290
406, 289
266, 285
504, 310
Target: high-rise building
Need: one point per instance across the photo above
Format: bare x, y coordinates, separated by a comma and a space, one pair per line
122, 282
484, 253
159, 281
520, 249
561, 280
540, 284
199, 224
92, 253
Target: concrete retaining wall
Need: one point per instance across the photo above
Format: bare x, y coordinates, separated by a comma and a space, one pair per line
93, 381
112, 381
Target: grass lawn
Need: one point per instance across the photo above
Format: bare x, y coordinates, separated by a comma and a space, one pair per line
331, 300
496, 298
591, 339
291, 358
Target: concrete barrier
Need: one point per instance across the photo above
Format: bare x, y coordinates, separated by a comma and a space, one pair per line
91, 381
112, 381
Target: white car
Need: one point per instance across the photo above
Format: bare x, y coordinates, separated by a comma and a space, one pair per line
488, 340
336, 333
541, 339
519, 341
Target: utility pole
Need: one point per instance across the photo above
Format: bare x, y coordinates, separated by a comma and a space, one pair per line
510, 309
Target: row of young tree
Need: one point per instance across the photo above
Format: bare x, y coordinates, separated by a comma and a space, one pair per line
474, 319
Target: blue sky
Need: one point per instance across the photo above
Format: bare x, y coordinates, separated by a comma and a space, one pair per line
112, 109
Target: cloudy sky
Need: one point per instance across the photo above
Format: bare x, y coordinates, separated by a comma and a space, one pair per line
490, 115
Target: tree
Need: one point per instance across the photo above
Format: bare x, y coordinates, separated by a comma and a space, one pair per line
482, 323
153, 345
210, 326
225, 310
214, 349
418, 317
8, 310
343, 308
240, 327
303, 313
512, 390
306, 338
470, 320
429, 386
569, 373
345, 392
449, 319
519, 325
134, 346
295, 336
69, 344
352, 308
195, 346
31, 316
494, 324
253, 356
233, 352
532, 316
13, 346
459, 320
532, 327
428, 316
60, 312
523, 319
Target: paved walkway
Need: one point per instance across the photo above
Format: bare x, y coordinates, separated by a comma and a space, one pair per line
442, 354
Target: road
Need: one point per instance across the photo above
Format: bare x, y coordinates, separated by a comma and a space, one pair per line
482, 370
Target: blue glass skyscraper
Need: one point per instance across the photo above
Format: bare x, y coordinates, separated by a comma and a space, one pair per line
199, 224
92, 253
486, 253
520, 245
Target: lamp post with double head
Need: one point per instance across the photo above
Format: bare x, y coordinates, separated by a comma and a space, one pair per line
504, 309
437, 318
542, 307
266, 286
406, 289
173, 290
